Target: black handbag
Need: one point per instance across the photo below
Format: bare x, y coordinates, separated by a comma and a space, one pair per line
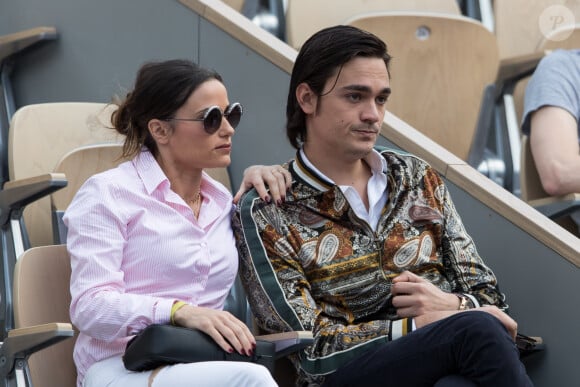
159, 345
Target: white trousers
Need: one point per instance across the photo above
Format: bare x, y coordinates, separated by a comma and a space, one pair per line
112, 373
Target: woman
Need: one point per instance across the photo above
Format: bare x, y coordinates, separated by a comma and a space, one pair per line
151, 242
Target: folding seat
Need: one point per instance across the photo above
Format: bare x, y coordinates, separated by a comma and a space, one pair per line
521, 25
305, 17
40, 135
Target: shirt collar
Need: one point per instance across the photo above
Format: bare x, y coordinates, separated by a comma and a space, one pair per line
149, 170
154, 179
310, 174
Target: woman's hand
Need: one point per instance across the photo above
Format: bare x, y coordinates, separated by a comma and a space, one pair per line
276, 178
226, 330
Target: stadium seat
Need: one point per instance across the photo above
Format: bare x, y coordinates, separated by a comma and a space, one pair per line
48, 131
42, 297
305, 17
521, 25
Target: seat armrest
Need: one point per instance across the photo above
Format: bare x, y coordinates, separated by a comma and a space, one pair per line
288, 342
18, 41
555, 207
22, 342
17, 194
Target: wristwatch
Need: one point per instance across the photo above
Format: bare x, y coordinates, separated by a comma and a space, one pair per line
462, 301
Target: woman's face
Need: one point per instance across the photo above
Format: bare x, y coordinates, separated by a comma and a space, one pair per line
187, 144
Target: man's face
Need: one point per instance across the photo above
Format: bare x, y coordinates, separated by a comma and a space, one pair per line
345, 120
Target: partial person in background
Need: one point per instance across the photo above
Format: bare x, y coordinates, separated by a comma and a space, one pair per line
551, 113
551, 120
151, 240
368, 251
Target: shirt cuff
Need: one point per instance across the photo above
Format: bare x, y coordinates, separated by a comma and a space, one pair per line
162, 311
400, 328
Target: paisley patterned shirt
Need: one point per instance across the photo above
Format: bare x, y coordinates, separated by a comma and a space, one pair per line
312, 264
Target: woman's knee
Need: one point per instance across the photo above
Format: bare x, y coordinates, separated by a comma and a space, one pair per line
214, 374
257, 375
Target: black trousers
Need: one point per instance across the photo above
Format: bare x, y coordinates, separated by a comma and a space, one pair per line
466, 349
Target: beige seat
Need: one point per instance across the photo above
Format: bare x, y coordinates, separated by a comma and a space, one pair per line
40, 135
557, 208
305, 17
566, 37
78, 165
441, 65
41, 296
517, 23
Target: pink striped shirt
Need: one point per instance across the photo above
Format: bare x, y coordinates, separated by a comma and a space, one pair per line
135, 247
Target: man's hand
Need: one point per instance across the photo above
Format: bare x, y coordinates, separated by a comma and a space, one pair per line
276, 178
419, 299
414, 296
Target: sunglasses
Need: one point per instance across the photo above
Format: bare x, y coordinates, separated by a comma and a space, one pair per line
212, 118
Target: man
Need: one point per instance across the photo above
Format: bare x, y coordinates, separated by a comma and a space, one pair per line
367, 250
